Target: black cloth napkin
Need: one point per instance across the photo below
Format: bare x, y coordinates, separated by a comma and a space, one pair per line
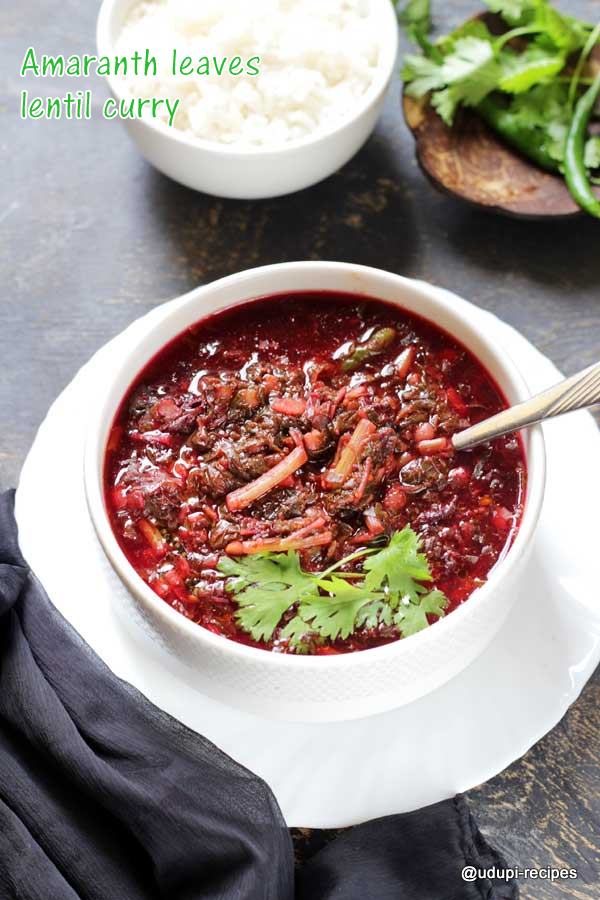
105, 797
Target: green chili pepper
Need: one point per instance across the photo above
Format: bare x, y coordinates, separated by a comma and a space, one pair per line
376, 344
526, 140
576, 174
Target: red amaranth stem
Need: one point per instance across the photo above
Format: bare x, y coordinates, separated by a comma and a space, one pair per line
288, 406
276, 545
247, 494
336, 476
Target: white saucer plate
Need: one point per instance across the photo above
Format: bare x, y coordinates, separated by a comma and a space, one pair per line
330, 775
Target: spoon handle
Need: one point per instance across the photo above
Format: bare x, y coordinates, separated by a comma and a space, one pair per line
577, 392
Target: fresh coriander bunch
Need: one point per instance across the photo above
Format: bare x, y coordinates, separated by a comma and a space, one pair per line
529, 79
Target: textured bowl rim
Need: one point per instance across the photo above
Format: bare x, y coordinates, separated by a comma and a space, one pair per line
379, 85
104, 415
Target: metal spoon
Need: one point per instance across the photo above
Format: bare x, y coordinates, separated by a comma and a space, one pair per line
577, 392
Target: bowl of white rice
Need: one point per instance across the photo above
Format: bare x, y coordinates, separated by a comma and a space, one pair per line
248, 98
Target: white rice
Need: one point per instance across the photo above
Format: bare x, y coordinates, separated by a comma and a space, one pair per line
317, 59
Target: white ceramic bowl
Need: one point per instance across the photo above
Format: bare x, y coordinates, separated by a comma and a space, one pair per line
323, 688
259, 172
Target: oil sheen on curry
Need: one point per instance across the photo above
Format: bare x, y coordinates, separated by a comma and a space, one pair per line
282, 474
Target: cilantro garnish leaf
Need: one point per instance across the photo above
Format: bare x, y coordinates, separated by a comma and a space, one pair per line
399, 566
446, 103
545, 109
540, 118
412, 617
591, 154
415, 16
535, 65
296, 631
512, 11
556, 30
471, 28
377, 612
333, 614
468, 72
468, 59
265, 586
422, 75
553, 27
332, 605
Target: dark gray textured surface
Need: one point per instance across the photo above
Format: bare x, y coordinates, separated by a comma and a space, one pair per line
93, 238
